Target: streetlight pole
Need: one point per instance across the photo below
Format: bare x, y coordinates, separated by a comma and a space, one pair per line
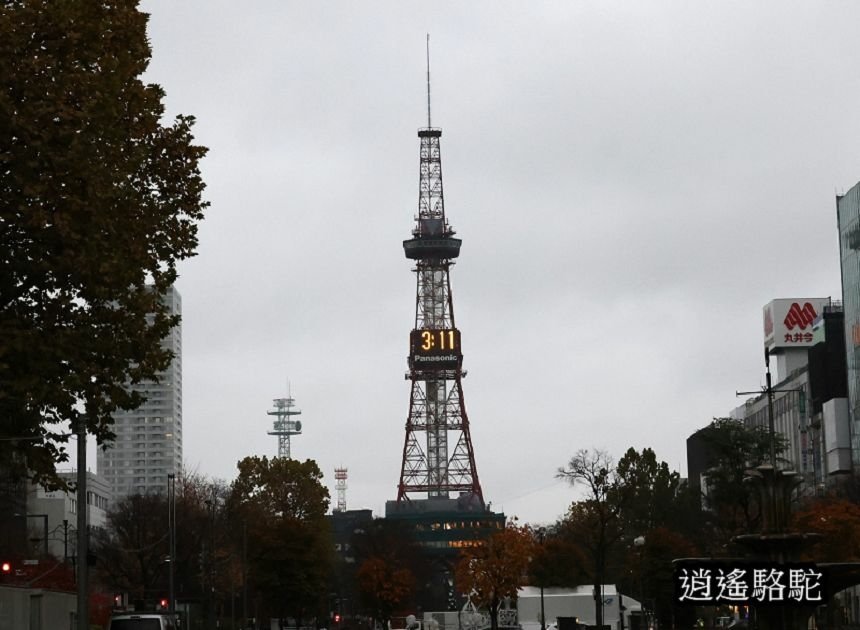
210, 568
171, 525
639, 543
83, 610
244, 574
541, 534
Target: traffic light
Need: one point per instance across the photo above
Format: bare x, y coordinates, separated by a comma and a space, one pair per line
163, 603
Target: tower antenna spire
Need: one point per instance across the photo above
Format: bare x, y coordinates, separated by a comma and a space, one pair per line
428, 81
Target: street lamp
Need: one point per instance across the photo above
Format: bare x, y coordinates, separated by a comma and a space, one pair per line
639, 543
541, 534
65, 540
171, 527
211, 505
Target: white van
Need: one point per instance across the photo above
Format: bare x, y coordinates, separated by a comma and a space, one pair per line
142, 621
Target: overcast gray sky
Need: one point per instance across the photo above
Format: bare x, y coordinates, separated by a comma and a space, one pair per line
632, 182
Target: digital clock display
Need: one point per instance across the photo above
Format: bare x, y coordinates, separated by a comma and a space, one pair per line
435, 349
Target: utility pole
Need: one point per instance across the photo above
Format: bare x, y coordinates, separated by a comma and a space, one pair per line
244, 574
770, 497
769, 391
83, 613
770, 421
541, 534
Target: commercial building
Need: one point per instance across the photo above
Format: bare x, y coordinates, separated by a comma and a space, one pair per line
804, 335
344, 526
148, 445
445, 526
53, 515
804, 338
848, 219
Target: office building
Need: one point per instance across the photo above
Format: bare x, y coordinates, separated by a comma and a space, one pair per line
52, 515
848, 219
148, 445
804, 337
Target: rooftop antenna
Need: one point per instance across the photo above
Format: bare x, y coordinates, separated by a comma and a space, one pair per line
428, 81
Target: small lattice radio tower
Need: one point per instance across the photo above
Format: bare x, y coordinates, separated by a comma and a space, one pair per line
340, 486
283, 426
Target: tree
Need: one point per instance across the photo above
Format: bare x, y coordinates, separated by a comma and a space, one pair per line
132, 547
734, 448
597, 519
650, 571
384, 586
649, 489
391, 567
283, 503
838, 521
132, 550
100, 202
560, 560
496, 568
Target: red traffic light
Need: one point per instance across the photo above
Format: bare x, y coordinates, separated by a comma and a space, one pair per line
337, 618
6, 567
163, 603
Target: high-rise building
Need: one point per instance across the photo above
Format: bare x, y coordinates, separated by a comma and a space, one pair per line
848, 220
148, 444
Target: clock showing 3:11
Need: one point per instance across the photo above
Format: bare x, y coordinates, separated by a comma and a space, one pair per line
438, 340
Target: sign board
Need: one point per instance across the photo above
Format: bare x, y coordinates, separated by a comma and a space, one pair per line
435, 349
788, 323
733, 583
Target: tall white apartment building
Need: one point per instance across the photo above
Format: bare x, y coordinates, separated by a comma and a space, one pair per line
148, 443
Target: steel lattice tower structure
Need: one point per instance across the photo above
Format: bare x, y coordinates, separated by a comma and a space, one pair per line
438, 458
340, 475
283, 426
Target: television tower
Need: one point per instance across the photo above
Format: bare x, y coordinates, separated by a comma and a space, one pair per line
438, 458
283, 426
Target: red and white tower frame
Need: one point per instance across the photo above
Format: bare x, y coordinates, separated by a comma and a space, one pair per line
438, 458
